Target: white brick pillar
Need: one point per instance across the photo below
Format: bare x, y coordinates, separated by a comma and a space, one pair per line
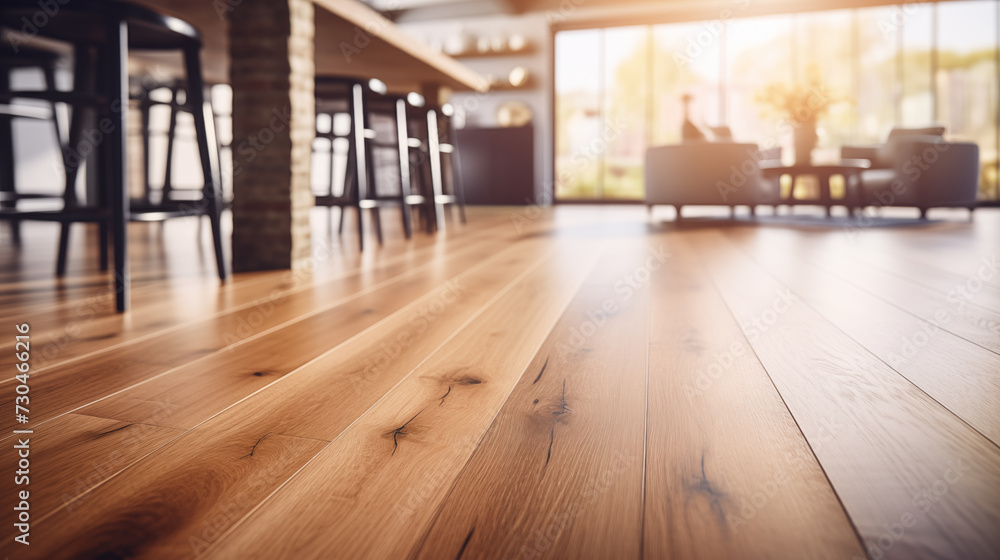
271, 71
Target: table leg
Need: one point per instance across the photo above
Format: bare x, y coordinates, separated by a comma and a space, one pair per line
824, 192
851, 183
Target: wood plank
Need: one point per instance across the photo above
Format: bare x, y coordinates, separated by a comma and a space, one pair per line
321, 399
411, 443
327, 395
955, 372
728, 473
28, 282
204, 387
73, 455
31, 287
962, 315
198, 477
384, 50
79, 333
955, 254
403, 62
893, 263
560, 471
916, 481
306, 318
883, 439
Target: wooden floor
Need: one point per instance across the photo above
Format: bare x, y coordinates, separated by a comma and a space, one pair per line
569, 383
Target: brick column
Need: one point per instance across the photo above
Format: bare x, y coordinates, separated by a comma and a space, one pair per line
271, 72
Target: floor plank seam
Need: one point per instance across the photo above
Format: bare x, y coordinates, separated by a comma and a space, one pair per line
283, 325
869, 351
886, 301
420, 542
415, 303
812, 451
465, 246
538, 263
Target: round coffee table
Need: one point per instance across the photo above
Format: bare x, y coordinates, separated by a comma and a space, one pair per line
849, 169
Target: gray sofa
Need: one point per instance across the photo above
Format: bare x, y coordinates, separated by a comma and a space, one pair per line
918, 168
706, 173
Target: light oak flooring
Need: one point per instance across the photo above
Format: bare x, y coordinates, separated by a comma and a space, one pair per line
577, 382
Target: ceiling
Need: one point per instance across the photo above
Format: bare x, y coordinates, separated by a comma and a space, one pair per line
580, 13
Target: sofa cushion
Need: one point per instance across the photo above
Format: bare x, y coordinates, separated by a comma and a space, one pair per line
886, 155
895, 133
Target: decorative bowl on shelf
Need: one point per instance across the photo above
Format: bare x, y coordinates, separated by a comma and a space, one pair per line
483, 45
518, 76
513, 113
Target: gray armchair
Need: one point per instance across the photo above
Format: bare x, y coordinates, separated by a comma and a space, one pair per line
706, 173
925, 173
916, 167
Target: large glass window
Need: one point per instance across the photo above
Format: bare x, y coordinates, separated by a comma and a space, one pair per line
878, 87
619, 90
826, 45
916, 42
623, 128
578, 113
686, 61
967, 80
758, 53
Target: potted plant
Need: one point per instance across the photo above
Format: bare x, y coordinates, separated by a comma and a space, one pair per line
801, 104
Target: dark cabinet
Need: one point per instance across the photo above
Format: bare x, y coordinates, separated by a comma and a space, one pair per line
497, 164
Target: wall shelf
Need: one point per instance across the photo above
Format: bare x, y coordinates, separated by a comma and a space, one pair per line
524, 51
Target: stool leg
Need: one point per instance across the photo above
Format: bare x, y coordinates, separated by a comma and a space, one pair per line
204, 122
116, 144
430, 209
168, 171
434, 154
378, 223
49, 77
348, 194
457, 184
84, 78
360, 161
7, 175
63, 248
50, 85
144, 109
103, 236
403, 150
419, 163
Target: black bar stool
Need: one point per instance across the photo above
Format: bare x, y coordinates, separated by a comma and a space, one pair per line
338, 97
47, 62
439, 170
175, 104
102, 32
377, 173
